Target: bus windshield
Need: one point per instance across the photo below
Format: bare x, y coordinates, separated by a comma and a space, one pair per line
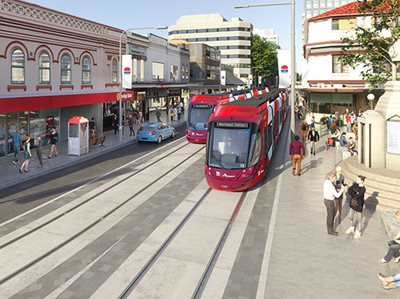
229, 147
199, 115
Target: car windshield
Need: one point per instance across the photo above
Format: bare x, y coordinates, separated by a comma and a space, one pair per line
230, 147
199, 115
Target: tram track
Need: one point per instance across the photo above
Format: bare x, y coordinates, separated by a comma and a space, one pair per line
98, 220
136, 280
212, 260
214, 257
63, 213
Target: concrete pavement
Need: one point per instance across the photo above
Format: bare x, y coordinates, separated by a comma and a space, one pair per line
9, 174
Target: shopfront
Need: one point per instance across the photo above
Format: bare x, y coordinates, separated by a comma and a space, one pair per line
32, 123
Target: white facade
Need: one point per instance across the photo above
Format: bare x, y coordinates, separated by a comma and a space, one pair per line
171, 60
316, 7
269, 34
322, 45
232, 38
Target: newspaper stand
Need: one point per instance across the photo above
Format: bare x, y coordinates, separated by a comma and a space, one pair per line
78, 136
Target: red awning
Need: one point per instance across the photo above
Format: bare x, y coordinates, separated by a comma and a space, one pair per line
17, 104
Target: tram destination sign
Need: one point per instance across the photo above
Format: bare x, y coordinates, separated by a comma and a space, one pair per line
202, 106
231, 124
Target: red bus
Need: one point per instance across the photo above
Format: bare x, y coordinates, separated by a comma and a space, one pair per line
201, 107
241, 139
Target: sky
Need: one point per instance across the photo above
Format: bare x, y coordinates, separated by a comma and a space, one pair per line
125, 14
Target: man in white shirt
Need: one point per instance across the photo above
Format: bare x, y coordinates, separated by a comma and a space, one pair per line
330, 194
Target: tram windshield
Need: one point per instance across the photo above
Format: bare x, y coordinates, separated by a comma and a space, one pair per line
199, 115
230, 144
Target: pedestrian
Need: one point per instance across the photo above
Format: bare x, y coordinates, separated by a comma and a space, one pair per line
348, 123
330, 194
297, 153
390, 282
356, 192
393, 250
342, 140
352, 118
309, 121
313, 137
39, 150
175, 110
27, 155
115, 124
182, 106
178, 108
339, 182
131, 121
92, 128
351, 146
53, 141
158, 114
17, 146
303, 130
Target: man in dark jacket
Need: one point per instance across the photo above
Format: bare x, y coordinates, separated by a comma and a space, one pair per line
313, 137
297, 153
356, 192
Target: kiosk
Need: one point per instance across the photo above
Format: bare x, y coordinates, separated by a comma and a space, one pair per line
78, 136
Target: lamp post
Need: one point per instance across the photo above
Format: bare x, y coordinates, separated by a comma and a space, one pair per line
292, 3
371, 98
120, 69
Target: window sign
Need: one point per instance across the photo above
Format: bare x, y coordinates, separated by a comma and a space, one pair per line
393, 136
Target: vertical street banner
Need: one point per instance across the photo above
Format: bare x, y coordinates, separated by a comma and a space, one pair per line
126, 71
223, 77
284, 68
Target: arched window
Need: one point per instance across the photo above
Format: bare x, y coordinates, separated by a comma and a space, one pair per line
44, 68
17, 67
114, 71
66, 69
86, 71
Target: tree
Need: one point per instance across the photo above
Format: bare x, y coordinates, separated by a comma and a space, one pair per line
369, 45
264, 59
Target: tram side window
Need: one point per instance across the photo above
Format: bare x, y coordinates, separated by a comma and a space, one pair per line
279, 116
256, 150
269, 137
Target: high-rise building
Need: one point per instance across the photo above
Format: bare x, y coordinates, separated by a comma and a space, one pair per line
317, 7
232, 38
269, 34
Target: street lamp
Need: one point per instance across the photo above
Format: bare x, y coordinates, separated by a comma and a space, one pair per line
371, 98
293, 55
120, 69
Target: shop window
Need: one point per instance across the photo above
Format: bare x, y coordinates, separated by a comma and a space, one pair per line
86, 71
66, 71
114, 71
343, 24
157, 71
338, 66
17, 67
44, 68
173, 73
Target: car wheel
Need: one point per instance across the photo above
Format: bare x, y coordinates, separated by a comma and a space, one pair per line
173, 134
159, 139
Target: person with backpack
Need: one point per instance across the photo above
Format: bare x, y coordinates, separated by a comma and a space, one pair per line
357, 193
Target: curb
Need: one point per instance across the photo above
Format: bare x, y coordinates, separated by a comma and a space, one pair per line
69, 164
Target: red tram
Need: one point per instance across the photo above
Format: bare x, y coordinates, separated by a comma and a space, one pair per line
241, 139
201, 107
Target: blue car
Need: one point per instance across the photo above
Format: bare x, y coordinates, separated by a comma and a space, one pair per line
155, 132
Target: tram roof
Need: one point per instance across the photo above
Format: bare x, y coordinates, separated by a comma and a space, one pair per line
250, 102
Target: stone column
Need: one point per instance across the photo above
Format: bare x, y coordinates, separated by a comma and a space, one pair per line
389, 107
